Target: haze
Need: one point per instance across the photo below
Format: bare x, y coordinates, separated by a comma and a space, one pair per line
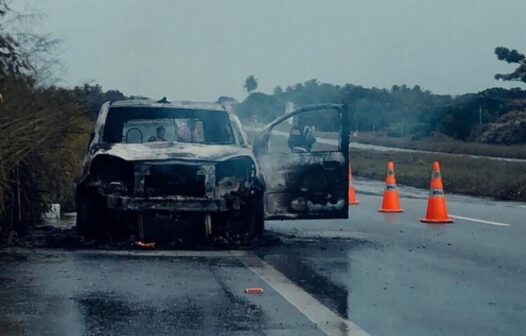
201, 50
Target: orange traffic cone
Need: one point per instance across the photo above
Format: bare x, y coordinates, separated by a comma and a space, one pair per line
391, 202
352, 191
436, 205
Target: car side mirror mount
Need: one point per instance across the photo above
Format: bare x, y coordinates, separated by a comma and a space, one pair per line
91, 137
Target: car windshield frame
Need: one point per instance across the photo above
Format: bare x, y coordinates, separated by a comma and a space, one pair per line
117, 118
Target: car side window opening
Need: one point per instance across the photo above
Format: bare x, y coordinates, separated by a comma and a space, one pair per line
311, 131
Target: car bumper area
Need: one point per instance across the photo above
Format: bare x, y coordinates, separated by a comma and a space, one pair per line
173, 204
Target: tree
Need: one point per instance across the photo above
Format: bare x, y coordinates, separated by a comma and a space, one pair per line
277, 91
43, 130
12, 63
24, 52
512, 56
251, 84
92, 97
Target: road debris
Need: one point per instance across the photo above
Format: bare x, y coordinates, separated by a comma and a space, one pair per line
254, 291
146, 246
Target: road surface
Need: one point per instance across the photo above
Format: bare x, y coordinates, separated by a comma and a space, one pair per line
374, 274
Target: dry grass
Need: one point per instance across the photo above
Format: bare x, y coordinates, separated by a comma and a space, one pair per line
43, 135
478, 177
444, 144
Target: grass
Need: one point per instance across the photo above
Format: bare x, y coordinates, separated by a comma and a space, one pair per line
444, 144
464, 175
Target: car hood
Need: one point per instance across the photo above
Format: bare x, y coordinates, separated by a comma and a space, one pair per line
174, 150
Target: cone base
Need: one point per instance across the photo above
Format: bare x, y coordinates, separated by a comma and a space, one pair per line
437, 221
391, 210
354, 203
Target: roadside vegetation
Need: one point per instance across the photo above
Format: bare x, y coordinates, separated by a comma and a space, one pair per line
444, 144
463, 175
493, 116
44, 128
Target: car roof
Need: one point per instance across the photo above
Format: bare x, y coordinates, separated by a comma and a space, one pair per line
182, 104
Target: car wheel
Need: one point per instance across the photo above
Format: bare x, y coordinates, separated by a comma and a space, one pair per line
91, 216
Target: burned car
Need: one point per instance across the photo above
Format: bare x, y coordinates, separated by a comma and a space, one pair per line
164, 169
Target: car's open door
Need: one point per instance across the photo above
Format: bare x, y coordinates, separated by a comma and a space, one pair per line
304, 158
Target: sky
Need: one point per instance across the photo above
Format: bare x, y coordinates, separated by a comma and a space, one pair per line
203, 49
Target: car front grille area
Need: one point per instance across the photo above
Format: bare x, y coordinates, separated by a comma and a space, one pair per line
174, 180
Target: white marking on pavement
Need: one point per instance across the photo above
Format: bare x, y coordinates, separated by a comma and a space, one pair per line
480, 220
329, 322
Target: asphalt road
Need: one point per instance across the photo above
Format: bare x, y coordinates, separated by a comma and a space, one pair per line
374, 274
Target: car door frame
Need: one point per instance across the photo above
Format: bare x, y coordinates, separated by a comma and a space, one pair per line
261, 151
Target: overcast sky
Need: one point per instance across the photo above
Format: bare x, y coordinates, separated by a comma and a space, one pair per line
200, 50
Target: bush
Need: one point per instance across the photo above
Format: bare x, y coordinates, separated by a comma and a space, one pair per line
43, 135
508, 129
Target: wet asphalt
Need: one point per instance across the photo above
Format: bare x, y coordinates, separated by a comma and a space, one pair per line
388, 274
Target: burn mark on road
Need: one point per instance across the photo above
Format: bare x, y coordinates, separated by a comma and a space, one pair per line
106, 313
295, 264
242, 315
332, 295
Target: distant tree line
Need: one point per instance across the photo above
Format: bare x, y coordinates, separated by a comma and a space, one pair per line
494, 115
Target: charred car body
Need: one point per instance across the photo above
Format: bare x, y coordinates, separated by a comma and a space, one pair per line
160, 169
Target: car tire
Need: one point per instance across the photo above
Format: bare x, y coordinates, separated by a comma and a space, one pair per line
91, 216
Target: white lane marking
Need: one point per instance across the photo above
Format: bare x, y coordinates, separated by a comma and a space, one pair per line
329, 322
480, 220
